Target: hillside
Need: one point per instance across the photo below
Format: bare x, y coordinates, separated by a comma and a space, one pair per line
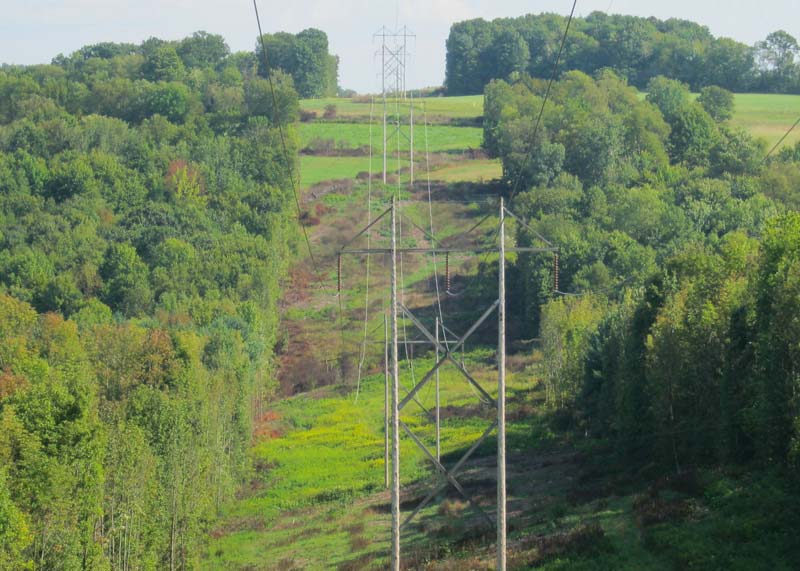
145, 231
192, 376
317, 501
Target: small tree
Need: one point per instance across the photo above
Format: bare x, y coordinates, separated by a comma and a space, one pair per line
717, 102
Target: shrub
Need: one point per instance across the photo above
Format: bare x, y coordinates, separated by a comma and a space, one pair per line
330, 111
307, 116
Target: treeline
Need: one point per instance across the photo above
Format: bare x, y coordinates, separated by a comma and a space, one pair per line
305, 57
636, 48
672, 333
196, 77
144, 235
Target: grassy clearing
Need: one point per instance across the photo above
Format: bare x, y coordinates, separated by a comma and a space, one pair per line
768, 116
469, 171
354, 135
461, 107
314, 170
321, 459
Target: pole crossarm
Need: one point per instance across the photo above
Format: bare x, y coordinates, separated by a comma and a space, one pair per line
444, 250
447, 356
453, 471
444, 472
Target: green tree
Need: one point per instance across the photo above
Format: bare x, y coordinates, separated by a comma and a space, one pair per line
717, 102
258, 96
566, 327
671, 96
172, 100
776, 58
163, 64
126, 288
203, 50
508, 54
14, 534
303, 56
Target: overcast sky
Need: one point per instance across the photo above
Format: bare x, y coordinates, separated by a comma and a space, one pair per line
34, 31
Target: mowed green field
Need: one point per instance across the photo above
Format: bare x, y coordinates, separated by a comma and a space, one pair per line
314, 170
473, 171
439, 138
768, 116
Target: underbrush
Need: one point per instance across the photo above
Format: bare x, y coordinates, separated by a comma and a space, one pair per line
747, 521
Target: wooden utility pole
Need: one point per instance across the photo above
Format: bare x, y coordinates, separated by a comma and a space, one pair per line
438, 416
386, 462
501, 398
395, 403
411, 141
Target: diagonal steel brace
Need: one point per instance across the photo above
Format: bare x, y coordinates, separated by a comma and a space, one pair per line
447, 356
450, 478
453, 471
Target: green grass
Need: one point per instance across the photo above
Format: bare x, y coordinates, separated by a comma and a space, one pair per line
469, 171
314, 169
354, 135
764, 115
328, 460
768, 116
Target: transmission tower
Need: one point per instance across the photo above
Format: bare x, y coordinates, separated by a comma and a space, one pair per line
446, 352
394, 54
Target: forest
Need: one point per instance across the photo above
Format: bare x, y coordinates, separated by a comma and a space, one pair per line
144, 236
636, 48
672, 334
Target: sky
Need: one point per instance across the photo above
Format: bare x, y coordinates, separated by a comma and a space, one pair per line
34, 31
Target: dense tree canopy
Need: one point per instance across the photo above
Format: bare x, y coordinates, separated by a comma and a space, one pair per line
144, 235
637, 49
672, 334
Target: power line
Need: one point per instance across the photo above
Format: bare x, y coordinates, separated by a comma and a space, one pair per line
287, 158
778, 144
289, 163
544, 102
529, 154
369, 235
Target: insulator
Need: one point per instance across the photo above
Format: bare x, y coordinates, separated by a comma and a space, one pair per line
447, 272
339, 273
555, 272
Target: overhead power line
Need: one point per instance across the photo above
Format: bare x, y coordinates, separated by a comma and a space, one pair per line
529, 155
293, 184
778, 144
287, 157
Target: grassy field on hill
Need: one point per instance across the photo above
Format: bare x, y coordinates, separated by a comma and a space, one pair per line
768, 116
354, 135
